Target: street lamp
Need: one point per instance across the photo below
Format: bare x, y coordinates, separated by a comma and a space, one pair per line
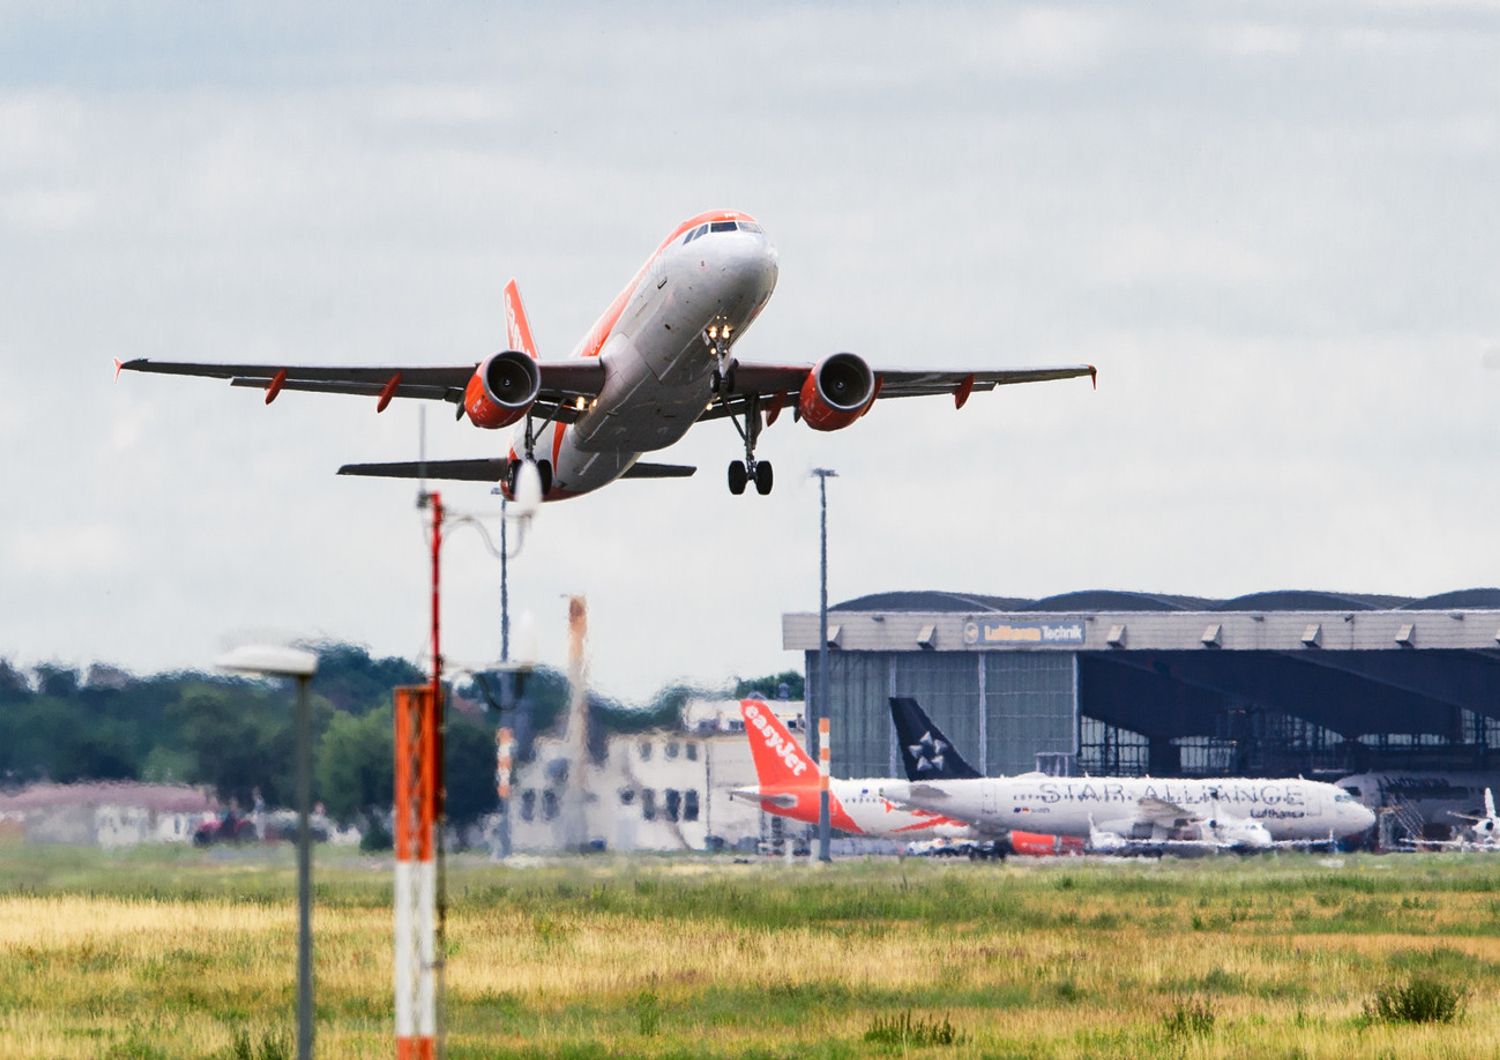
272, 661
819, 707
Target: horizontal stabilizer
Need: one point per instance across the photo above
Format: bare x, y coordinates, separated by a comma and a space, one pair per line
486, 470
643, 470
463, 470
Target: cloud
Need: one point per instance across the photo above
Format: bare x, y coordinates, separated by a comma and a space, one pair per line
1282, 278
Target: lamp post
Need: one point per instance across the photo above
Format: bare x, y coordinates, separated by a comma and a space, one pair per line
271, 661
818, 705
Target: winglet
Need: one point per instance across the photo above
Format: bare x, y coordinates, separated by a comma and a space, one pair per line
1094, 376
517, 327
118, 365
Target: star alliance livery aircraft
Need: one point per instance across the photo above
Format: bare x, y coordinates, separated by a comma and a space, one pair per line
1233, 813
660, 359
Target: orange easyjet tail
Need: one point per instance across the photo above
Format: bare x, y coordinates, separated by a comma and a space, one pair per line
780, 761
517, 327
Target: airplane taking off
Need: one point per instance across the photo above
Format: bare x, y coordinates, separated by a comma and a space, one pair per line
660, 359
788, 787
1120, 812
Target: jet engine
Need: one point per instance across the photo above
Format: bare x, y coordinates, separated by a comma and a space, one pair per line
502, 389
836, 392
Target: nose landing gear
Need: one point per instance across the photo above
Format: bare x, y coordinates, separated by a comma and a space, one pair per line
741, 472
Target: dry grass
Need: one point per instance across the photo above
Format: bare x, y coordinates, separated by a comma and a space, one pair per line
182, 954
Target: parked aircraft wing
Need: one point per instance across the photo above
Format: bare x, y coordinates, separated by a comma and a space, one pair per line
1164, 813
563, 382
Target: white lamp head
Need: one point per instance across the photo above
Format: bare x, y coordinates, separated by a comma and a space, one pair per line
270, 660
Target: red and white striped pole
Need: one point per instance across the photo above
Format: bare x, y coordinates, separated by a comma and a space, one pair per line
416, 877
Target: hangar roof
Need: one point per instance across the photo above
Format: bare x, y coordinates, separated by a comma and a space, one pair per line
934, 600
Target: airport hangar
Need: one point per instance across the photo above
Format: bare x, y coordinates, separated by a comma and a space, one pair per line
1105, 682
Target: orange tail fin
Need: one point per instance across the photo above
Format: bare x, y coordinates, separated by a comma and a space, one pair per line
780, 761
517, 327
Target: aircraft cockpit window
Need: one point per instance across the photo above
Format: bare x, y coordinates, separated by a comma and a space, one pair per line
721, 226
694, 234
750, 226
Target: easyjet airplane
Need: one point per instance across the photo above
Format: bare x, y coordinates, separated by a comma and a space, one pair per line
788, 787
660, 359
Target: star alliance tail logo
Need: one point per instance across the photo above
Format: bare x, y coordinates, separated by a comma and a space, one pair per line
928, 752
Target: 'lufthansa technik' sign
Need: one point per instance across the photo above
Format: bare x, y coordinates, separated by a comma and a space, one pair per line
1001, 632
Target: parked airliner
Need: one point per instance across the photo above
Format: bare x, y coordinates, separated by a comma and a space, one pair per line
1142, 808
788, 787
658, 360
1116, 813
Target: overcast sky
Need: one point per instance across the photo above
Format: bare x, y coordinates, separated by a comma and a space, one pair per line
1272, 227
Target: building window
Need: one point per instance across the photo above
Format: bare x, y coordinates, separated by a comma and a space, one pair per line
645, 749
627, 796
690, 805
674, 804
549, 805
671, 748
528, 804
648, 804
691, 750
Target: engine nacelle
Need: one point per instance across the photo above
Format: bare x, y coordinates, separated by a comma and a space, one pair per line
836, 392
502, 389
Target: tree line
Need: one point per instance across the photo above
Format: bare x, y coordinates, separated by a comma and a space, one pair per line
235, 734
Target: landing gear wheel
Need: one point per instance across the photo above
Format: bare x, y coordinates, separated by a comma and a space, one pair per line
543, 471
763, 478
738, 476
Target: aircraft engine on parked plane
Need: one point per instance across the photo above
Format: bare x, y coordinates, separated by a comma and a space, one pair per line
502, 389
836, 392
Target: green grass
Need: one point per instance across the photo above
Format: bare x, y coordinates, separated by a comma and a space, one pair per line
183, 953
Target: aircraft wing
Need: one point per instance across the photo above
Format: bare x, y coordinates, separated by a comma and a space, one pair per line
562, 381
773, 383
1167, 814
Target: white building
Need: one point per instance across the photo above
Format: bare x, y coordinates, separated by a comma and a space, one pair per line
661, 790
108, 814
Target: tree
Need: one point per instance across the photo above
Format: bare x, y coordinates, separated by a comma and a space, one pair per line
770, 686
469, 768
356, 764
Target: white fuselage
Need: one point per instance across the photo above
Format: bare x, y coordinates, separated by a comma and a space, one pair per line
658, 361
877, 816
1287, 808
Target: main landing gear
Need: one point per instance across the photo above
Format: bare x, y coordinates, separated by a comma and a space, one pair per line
543, 467
741, 472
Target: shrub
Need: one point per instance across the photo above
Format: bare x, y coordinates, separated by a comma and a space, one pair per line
1418, 1000
1191, 1017
647, 1008
908, 1031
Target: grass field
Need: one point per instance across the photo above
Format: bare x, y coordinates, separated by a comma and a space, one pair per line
183, 953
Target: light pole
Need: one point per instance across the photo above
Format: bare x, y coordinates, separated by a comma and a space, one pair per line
818, 705
271, 661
